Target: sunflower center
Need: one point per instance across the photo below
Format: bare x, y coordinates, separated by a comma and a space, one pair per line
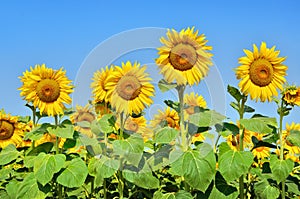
88, 117
48, 90
171, 122
260, 149
190, 110
183, 56
133, 126
261, 72
128, 87
6, 130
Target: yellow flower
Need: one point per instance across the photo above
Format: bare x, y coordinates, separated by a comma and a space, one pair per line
234, 141
102, 108
99, 85
167, 117
184, 57
291, 96
198, 137
261, 152
287, 145
138, 125
11, 131
83, 114
261, 72
193, 100
130, 88
47, 89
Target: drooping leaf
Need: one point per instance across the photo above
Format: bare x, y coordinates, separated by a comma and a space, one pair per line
37, 132
227, 129
215, 193
176, 160
294, 138
206, 118
257, 125
233, 164
29, 189
45, 147
104, 123
131, 149
46, 165
74, 175
248, 109
264, 190
166, 135
280, 168
8, 154
63, 131
164, 86
172, 104
199, 167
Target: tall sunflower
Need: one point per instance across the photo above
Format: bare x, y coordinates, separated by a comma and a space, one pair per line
130, 88
168, 117
100, 92
185, 57
11, 131
47, 89
261, 72
83, 114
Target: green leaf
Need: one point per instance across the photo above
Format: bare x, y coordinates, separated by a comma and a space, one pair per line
176, 159
29, 161
223, 186
74, 175
233, 164
292, 187
164, 86
172, 104
206, 118
264, 190
46, 166
8, 154
45, 147
294, 138
199, 167
105, 125
280, 168
257, 125
142, 179
37, 132
84, 124
183, 195
166, 135
24, 119
268, 120
11, 188
248, 109
227, 129
63, 131
215, 193
29, 189
234, 105
234, 92
131, 149
103, 167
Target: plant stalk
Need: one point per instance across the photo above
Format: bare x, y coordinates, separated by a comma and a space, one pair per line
241, 147
281, 115
183, 133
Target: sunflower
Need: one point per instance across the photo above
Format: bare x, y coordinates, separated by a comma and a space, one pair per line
193, 100
234, 141
83, 114
167, 117
261, 152
261, 72
11, 131
291, 95
100, 92
130, 88
138, 125
184, 57
47, 89
287, 145
198, 137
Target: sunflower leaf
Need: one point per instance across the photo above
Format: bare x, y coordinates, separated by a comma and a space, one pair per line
206, 118
105, 123
280, 168
29, 188
8, 154
164, 86
264, 190
64, 131
74, 175
166, 135
294, 137
235, 93
257, 125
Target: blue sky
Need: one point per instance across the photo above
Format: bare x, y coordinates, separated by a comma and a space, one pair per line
69, 33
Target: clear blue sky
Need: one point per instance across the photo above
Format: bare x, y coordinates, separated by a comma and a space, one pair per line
64, 33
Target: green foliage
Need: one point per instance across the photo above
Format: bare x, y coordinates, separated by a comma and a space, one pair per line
65, 130
233, 164
259, 125
166, 135
264, 190
164, 86
280, 168
29, 188
294, 138
206, 118
8, 154
75, 173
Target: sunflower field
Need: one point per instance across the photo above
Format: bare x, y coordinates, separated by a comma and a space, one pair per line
109, 149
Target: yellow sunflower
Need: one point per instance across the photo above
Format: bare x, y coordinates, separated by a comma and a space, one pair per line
83, 114
167, 117
198, 137
291, 95
261, 152
130, 88
193, 100
184, 57
234, 141
287, 145
11, 131
102, 108
47, 89
138, 125
100, 92
261, 72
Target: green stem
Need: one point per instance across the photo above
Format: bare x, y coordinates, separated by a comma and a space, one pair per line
216, 143
122, 126
104, 189
60, 191
241, 147
120, 184
281, 115
183, 134
34, 124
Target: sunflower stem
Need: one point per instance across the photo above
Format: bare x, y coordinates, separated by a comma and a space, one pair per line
34, 124
281, 115
121, 125
180, 90
60, 188
241, 147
